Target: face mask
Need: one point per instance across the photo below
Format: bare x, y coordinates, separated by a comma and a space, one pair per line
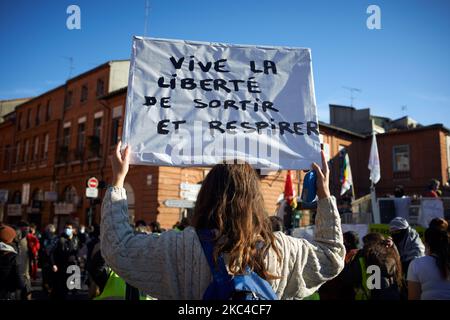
82, 230
68, 232
398, 236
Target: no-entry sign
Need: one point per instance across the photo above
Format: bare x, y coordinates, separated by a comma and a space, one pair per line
92, 182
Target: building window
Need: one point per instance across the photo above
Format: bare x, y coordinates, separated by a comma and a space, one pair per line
38, 115
116, 117
98, 128
28, 118
84, 93
63, 150
19, 122
6, 157
115, 131
70, 195
66, 137
100, 87
45, 152
68, 99
401, 158
26, 151
47, 111
81, 136
95, 139
36, 148
17, 157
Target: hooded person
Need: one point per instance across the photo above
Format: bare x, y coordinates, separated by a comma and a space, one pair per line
407, 241
10, 280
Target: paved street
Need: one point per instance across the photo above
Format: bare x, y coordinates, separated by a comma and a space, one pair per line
39, 294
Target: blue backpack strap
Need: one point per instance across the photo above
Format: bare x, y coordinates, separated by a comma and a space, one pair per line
206, 239
221, 288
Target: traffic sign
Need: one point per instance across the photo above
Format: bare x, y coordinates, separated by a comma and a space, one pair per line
179, 203
91, 192
92, 182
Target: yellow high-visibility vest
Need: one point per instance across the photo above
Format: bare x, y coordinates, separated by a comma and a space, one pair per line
115, 289
363, 293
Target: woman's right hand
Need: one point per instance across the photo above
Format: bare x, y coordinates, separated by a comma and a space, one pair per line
323, 177
120, 164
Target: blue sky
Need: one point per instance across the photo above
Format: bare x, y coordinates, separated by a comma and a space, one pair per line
405, 63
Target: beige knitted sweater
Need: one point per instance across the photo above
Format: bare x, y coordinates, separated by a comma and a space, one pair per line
173, 266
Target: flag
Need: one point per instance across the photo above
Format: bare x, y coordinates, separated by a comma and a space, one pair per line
346, 175
289, 193
374, 161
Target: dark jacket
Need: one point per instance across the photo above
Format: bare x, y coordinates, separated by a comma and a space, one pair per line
48, 243
10, 279
65, 252
97, 268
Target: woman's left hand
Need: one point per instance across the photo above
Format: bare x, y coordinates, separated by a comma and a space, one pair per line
120, 163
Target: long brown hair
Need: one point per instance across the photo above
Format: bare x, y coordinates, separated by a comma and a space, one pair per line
437, 239
386, 256
231, 203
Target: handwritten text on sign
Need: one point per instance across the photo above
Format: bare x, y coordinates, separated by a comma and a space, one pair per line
193, 104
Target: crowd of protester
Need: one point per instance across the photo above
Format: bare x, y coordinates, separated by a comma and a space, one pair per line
409, 269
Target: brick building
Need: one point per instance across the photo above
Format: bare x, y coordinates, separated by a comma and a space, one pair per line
410, 154
412, 158
43, 143
50, 145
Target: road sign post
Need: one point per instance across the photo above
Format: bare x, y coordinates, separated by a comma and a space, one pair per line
91, 194
92, 182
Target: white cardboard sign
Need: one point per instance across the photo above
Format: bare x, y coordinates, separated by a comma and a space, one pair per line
198, 104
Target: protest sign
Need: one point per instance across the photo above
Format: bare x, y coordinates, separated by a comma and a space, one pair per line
430, 208
198, 104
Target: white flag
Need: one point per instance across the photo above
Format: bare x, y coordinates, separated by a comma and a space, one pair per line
374, 161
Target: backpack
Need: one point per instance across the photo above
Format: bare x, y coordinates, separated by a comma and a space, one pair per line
249, 286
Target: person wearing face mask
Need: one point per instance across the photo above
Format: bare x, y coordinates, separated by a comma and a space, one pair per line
407, 241
64, 255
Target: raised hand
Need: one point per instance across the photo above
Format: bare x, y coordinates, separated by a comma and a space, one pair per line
323, 177
120, 163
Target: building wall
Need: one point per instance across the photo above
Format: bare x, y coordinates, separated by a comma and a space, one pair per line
444, 154
31, 121
351, 119
6, 150
356, 148
118, 76
7, 106
426, 160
